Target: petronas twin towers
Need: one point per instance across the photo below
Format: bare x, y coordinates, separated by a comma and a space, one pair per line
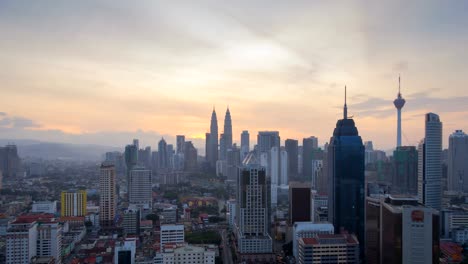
225, 140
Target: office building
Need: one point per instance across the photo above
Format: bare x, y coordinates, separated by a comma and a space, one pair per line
163, 155
180, 141
292, 148
457, 162
131, 156
399, 103
107, 195
274, 166
429, 163
452, 219
131, 159
345, 169
245, 144
49, 207
252, 210
266, 140
131, 221
172, 234
308, 230
325, 248
299, 202
284, 168
405, 177
170, 156
73, 203
400, 230
140, 192
10, 162
232, 163
308, 146
190, 157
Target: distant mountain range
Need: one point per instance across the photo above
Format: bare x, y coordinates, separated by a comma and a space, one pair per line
53, 150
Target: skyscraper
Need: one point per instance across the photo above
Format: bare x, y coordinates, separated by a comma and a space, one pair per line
107, 195
180, 139
190, 156
227, 135
429, 163
457, 162
140, 192
131, 159
299, 202
212, 141
233, 162
266, 140
252, 209
308, 146
345, 170
10, 162
245, 144
162, 154
399, 103
405, 178
291, 146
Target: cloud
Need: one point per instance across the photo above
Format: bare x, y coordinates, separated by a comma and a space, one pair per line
17, 122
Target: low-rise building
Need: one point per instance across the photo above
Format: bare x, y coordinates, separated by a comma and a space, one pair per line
329, 248
171, 233
307, 230
182, 254
44, 207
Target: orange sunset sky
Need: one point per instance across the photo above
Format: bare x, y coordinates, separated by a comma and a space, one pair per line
105, 72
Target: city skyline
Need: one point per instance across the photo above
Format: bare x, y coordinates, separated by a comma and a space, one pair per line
105, 77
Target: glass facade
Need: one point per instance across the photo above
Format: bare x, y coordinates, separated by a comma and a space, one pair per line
346, 173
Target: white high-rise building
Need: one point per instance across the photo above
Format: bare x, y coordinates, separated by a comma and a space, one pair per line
49, 240
107, 195
429, 163
171, 233
21, 242
253, 209
140, 191
457, 176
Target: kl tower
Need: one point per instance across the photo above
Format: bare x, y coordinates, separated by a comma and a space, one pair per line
399, 103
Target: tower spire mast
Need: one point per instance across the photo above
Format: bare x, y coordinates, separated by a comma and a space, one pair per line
345, 110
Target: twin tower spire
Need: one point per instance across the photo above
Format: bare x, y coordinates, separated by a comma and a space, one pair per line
225, 139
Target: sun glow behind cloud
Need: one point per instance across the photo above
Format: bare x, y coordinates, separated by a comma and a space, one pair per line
160, 66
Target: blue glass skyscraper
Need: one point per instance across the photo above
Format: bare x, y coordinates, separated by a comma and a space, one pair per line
345, 169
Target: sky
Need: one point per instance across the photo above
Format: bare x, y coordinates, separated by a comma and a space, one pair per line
105, 72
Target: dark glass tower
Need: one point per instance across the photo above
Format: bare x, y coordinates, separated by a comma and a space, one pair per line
346, 175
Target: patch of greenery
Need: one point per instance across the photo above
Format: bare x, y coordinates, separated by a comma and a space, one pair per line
204, 237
